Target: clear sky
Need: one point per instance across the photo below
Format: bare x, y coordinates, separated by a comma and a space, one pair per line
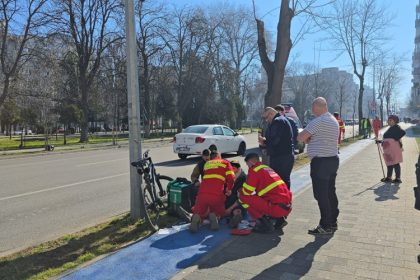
401, 32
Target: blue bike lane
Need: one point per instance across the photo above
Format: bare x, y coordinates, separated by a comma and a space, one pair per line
169, 251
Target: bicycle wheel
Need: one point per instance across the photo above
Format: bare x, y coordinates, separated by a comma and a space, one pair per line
151, 206
163, 181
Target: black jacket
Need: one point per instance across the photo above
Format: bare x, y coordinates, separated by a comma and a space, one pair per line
395, 132
239, 181
279, 140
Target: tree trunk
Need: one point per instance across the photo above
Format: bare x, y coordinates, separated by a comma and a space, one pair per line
275, 70
85, 110
146, 88
381, 109
5, 93
360, 102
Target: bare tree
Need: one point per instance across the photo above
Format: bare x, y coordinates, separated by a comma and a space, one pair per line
151, 17
240, 39
183, 36
300, 81
357, 27
342, 95
388, 79
20, 22
87, 23
275, 69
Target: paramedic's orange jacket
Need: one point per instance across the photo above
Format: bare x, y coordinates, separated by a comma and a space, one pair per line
217, 173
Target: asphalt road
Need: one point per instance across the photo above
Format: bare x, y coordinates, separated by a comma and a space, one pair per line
48, 196
44, 197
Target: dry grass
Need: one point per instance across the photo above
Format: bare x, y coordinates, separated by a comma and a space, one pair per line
55, 257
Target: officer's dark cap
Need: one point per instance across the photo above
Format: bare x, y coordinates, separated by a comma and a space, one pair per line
252, 156
235, 163
206, 152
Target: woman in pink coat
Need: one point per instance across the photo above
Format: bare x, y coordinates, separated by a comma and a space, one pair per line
392, 147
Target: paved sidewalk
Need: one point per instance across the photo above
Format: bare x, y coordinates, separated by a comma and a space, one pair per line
378, 233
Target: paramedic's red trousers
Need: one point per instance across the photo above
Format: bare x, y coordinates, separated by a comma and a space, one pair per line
207, 203
259, 207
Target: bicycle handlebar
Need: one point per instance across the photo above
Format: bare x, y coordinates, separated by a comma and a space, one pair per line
143, 161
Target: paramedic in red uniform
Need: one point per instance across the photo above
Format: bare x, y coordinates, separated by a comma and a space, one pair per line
210, 200
264, 195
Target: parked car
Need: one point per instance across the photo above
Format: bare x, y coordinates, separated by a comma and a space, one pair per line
196, 138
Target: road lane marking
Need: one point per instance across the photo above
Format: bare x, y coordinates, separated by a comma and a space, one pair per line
100, 162
47, 161
63, 186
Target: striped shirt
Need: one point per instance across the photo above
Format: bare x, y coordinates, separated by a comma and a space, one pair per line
324, 134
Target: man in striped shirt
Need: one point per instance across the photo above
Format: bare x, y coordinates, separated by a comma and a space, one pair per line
321, 135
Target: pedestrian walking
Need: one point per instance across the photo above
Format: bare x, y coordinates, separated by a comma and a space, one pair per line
392, 149
376, 125
341, 127
321, 136
278, 140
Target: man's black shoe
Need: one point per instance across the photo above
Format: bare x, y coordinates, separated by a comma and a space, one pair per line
280, 223
334, 227
319, 230
263, 225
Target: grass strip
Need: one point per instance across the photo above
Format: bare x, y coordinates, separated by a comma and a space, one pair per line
55, 257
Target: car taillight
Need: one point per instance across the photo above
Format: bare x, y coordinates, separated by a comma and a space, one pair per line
174, 139
199, 139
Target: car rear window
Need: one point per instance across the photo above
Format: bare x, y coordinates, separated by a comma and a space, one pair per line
196, 129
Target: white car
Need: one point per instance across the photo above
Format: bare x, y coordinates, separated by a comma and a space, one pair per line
196, 138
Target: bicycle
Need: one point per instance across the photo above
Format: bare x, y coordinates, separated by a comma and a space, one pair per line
154, 193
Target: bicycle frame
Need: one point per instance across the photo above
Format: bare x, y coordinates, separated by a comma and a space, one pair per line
152, 202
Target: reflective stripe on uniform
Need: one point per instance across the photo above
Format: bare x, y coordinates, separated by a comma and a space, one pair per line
244, 205
213, 165
245, 192
230, 173
270, 187
259, 167
214, 176
248, 187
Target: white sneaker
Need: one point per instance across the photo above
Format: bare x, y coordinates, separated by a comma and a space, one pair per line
214, 223
195, 223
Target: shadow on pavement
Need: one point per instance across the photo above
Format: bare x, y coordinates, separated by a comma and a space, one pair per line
386, 191
179, 162
383, 191
298, 263
249, 246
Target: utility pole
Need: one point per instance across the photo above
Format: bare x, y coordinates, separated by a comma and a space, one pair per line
136, 194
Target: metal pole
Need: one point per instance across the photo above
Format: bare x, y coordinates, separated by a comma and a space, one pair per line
136, 195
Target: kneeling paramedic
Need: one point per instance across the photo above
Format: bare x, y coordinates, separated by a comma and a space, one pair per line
264, 195
210, 200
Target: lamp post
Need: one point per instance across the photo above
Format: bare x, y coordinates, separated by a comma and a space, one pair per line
136, 194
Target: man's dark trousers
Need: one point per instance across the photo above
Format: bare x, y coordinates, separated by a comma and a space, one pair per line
283, 166
323, 174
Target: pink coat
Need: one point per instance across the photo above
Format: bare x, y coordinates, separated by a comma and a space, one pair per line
392, 151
